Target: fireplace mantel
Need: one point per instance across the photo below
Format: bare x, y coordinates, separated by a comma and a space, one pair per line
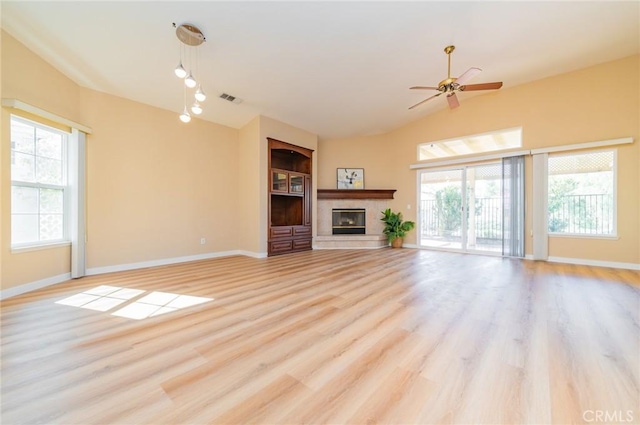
356, 193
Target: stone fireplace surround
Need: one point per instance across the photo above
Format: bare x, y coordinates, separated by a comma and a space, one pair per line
372, 239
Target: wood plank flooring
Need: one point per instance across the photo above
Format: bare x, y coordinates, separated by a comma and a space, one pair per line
334, 337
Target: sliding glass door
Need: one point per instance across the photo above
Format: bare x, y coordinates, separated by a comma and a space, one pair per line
441, 208
462, 209
484, 205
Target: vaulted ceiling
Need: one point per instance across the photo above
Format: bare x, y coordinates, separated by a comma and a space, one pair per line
337, 69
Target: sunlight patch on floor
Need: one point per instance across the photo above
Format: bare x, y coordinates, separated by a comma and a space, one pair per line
157, 303
106, 297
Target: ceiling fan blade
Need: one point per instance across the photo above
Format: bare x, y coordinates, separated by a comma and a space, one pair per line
468, 75
453, 101
483, 86
423, 88
429, 98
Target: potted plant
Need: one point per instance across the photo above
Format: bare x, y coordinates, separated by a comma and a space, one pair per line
395, 228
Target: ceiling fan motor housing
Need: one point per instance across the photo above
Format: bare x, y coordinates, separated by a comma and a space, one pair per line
448, 85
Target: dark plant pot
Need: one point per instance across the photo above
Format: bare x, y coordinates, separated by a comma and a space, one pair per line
396, 243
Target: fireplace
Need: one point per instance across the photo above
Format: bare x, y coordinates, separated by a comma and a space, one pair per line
348, 221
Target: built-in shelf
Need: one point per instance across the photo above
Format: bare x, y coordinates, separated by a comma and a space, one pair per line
289, 210
356, 193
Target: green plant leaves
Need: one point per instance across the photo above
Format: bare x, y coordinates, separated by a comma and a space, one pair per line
394, 226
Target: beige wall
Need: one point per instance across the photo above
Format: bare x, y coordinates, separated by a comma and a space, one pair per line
577, 107
155, 186
28, 78
250, 178
2, 166
371, 153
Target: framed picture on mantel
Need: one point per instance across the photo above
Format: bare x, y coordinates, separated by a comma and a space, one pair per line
350, 178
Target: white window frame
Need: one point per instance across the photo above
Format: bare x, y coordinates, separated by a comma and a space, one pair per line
65, 240
614, 233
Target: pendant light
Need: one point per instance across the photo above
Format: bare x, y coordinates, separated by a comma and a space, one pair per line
184, 116
190, 37
196, 108
200, 96
180, 71
190, 81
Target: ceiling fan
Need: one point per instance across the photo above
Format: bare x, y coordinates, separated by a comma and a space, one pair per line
452, 85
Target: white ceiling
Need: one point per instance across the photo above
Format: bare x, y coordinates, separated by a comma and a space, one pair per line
337, 69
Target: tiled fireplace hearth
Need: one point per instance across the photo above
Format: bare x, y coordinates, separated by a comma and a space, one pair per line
371, 239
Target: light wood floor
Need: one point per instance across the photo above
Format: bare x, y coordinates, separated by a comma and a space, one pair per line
334, 337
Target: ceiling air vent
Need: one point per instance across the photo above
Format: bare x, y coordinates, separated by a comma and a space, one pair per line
230, 98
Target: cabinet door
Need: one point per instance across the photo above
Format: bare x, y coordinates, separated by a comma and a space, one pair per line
296, 183
279, 181
280, 246
307, 201
302, 244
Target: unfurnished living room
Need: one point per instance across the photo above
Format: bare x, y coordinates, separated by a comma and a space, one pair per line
320, 212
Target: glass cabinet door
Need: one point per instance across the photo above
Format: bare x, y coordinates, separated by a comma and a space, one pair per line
278, 181
296, 184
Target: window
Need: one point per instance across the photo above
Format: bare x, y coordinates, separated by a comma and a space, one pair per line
469, 145
581, 193
38, 184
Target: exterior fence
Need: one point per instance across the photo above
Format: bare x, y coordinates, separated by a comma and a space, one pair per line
578, 214
440, 222
581, 214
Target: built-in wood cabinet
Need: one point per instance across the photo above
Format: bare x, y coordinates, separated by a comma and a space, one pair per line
289, 197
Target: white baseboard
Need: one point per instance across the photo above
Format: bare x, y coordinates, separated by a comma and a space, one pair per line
579, 261
253, 254
348, 247
162, 262
32, 286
